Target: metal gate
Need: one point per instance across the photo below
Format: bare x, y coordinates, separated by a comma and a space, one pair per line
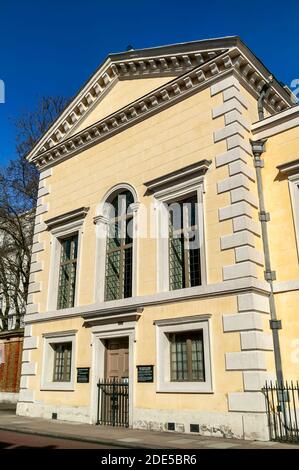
113, 402
282, 401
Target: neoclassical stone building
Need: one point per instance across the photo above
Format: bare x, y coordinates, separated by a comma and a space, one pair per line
165, 256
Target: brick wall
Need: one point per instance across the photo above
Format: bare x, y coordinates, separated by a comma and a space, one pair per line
10, 370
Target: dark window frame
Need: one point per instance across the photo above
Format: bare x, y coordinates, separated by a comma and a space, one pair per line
184, 263
67, 281
120, 245
187, 369
62, 363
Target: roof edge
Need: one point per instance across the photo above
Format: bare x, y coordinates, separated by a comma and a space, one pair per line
189, 46
111, 70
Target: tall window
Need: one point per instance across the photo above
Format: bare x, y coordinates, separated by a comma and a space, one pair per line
119, 253
62, 362
187, 356
67, 273
184, 250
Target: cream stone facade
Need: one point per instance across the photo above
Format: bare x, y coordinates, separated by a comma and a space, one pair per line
164, 124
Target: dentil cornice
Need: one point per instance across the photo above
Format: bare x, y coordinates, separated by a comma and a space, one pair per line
196, 78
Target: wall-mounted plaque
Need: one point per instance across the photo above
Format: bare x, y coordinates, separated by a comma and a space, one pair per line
83, 375
145, 373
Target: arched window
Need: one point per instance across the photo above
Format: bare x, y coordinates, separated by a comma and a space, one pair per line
119, 247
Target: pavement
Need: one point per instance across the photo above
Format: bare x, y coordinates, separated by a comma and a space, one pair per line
116, 437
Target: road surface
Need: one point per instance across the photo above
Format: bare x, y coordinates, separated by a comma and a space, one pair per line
15, 440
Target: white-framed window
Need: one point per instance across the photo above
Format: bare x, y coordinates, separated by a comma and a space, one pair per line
294, 192
184, 355
59, 356
180, 236
117, 244
119, 247
64, 276
67, 271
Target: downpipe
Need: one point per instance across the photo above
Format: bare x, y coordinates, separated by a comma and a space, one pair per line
258, 148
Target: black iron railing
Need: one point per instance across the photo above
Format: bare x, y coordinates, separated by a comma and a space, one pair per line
113, 402
282, 401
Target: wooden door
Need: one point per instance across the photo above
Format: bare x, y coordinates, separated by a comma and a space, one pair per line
117, 358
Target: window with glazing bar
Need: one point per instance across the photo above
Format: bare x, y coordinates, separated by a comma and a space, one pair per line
118, 279
184, 249
62, 362
187, 356
67, 272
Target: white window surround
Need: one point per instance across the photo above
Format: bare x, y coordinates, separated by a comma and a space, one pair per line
58, 234
294, 192
163, 327
101, 221
99, 334
162, 199
48, 361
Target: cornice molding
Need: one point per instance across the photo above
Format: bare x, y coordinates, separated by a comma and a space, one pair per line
125, 314
106, 77
271, 125
289, 113
289, 167
181, 320
68, 217
232, 61
59, 334
234, 287
117, 311
100, 219
108, 320
198, 168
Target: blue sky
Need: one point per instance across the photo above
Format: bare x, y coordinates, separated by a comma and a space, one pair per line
51, 47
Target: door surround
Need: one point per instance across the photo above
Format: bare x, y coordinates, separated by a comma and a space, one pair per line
100, 333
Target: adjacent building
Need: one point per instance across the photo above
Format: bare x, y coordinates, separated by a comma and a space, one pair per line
165, 274
11, 342
12, 308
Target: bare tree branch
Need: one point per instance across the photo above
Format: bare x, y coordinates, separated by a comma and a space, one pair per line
18, 194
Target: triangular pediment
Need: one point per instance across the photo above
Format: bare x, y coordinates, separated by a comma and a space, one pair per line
159, 64
120, 95
125, 78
